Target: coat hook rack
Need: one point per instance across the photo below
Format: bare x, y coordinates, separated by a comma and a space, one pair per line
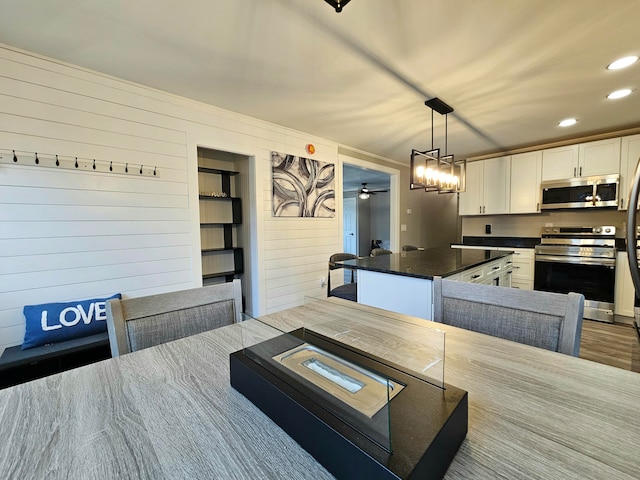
17, 157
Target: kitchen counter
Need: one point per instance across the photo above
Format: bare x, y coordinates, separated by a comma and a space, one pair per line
426, 264
402, 282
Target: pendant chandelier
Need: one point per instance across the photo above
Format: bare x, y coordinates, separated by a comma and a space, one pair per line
435, 173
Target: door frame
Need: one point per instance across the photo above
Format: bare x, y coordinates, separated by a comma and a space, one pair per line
394, 196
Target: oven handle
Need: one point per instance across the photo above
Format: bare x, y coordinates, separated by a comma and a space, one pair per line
577, 260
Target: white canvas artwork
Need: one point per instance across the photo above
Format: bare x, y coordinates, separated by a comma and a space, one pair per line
302, 187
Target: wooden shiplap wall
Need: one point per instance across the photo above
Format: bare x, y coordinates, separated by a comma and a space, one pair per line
67, 234
296, 250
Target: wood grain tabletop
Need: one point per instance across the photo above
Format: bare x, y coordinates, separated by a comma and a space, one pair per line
170, 412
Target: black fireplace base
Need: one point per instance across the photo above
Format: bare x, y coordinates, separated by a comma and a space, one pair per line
427, 423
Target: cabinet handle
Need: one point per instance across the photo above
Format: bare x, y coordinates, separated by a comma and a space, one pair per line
475, 276
580, 171
480, 209
538, 207
574, 171
622, 203
495, 268
516, 266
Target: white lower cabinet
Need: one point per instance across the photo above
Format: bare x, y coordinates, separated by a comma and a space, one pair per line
497, 272
523, 268
516, 270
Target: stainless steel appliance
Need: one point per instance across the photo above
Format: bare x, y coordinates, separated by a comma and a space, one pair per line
584, 192
582, 260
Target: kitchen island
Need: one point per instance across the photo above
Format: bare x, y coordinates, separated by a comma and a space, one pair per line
402, 282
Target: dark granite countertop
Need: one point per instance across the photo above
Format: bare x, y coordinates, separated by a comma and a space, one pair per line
442, 261
513, 242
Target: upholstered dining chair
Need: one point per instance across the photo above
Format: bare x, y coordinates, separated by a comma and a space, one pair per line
137, 323
376, 252
348, 291
552, 321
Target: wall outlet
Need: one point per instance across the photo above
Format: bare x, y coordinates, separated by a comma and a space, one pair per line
403, 227
409, 212
323, 281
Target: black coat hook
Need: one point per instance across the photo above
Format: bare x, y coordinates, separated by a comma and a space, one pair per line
37, 159
140, 169
76, 162
126, 168
15, 159
94, 164
57, 161
111, 166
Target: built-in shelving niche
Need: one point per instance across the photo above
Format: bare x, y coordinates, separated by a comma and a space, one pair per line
223, 198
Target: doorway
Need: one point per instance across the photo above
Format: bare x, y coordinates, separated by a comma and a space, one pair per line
368, 218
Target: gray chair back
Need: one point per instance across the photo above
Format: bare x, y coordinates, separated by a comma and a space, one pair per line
376, 252
552, 321
137, 323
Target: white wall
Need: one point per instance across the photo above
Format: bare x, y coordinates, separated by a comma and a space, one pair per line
68, 234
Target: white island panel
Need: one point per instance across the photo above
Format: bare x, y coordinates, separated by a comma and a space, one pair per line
397, 293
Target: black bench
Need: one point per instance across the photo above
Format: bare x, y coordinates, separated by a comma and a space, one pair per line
18, 366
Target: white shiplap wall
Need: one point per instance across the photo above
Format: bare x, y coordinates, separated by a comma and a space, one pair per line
67, 234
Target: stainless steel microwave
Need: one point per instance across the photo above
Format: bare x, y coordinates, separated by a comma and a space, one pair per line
583, 192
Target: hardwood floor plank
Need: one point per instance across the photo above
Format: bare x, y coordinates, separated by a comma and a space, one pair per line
617, 345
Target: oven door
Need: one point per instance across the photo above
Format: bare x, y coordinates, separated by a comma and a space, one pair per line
592, 277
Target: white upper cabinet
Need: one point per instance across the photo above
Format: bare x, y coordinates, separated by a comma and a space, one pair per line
471, 201
584, 160
630, 153
559, 163
526, 174
599, 158
487, 187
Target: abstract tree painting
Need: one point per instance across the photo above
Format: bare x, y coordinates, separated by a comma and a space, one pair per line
302, 187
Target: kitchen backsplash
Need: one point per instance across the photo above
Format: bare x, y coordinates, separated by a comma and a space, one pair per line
530, 225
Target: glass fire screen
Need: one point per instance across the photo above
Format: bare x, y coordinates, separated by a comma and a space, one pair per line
351, 362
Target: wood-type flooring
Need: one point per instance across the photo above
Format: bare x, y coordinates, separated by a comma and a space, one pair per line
614, 344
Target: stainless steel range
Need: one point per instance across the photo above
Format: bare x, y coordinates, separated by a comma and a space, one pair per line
582, 260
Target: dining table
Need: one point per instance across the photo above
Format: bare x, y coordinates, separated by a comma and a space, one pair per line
169, 411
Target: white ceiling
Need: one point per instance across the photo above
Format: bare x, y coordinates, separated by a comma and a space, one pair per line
511, 69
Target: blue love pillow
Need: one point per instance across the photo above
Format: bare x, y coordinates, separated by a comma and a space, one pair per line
57, 322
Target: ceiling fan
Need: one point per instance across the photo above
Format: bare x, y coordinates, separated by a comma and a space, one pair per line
365, 192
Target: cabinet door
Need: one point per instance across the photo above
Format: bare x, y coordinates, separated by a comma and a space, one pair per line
630, 154
471, 201
560, 163
497, 185
599, 158
526, 174
624, 293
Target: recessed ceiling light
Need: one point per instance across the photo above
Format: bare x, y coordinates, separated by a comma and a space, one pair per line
622, 63
619, 94
567, 122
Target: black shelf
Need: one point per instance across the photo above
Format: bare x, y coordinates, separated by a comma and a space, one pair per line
219, 224
217, 171
208, 197
236, 219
